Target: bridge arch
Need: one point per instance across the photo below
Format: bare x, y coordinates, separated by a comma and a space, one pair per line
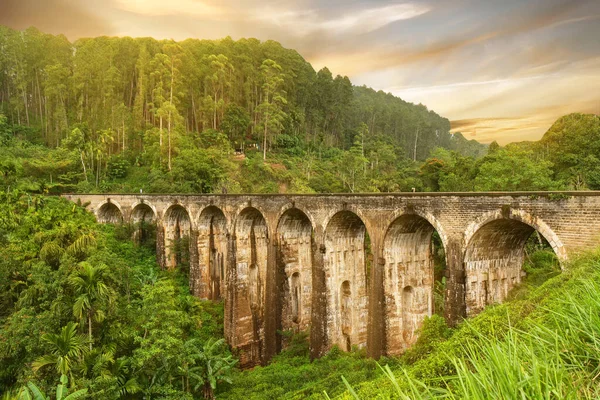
252, 242
409, 278
109, 212
143, 219
494, 254
209, 282
345, 260
177, 225
351, 209
294, 270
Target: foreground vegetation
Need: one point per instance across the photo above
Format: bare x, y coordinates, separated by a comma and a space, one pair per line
80, 300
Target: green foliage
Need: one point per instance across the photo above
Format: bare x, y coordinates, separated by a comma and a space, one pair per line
62, 392
120, 114
503, 170
58, 267
66, 349
572, 145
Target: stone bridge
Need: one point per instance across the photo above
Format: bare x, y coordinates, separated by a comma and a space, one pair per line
353, 269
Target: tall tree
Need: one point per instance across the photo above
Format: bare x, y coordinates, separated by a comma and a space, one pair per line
271, 110
93, 294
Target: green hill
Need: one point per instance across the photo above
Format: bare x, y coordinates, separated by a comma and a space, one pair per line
120, 114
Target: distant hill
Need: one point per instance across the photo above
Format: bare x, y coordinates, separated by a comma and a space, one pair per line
120, 88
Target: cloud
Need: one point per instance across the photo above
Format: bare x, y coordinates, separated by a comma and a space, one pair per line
295, 18
354, 22
484, 31
184, 7
67, 17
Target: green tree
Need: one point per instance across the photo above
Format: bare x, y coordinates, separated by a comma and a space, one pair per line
271, 109
211, 367
352, 166
93, 294
506, 170
235, 124
66, 349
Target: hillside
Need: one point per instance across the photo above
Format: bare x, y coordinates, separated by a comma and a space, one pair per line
122, 114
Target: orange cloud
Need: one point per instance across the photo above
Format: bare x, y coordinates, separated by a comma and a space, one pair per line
67, 17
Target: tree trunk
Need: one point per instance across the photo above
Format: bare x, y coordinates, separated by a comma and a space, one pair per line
83, 165
416, 140
90, 329
265, 137
208, 392
160, 140
169, 141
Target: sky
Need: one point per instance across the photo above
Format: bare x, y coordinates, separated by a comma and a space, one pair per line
501, 70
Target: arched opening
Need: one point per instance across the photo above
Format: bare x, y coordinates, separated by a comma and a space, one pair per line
345, 263
178, 230
495, 258
109, 213
143, 222
414, 279
251, 236
209, 281
294, 272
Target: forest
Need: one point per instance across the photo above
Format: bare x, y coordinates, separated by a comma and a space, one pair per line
87, 313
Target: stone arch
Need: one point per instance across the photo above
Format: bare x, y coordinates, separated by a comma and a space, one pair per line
177, 225
345, 260
292, 206
494, 254
251, 258
209, 281
351, 209
294, 271
143, 220
409, 263
109, 212
426, 215
523, 216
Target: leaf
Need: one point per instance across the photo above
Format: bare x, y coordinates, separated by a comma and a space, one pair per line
352, 392
76, 395
24, 394
37, 393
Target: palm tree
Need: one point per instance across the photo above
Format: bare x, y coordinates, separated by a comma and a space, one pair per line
67, 347
212, 366
92, 294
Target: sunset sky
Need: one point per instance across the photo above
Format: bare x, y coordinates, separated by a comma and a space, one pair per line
498, 69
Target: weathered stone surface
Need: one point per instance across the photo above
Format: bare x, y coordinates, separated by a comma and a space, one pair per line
352, 269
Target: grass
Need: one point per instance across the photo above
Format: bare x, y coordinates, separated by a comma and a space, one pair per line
544, 344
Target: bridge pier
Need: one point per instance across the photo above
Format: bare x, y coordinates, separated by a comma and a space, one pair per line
376, 328
455, 305
319, 339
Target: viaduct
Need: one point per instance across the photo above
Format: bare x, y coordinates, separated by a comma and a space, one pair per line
353, 269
